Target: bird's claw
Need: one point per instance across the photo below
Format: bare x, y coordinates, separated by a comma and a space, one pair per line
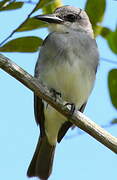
72, 107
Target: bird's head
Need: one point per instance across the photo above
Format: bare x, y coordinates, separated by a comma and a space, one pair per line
68, 18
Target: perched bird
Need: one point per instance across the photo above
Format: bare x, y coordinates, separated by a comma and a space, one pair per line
67, 64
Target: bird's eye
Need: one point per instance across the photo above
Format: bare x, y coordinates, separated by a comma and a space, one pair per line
70, 17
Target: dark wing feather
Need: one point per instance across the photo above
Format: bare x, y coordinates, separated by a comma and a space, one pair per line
39, 107
39, 113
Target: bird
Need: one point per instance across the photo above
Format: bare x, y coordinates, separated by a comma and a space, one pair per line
67, 65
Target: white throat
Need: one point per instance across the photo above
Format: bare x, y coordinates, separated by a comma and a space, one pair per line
64, 28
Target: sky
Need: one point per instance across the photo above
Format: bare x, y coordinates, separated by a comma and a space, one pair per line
77, 156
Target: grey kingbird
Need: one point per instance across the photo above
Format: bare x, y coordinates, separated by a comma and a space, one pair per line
67, 64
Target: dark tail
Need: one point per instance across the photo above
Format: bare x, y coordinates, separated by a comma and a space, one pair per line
42, 161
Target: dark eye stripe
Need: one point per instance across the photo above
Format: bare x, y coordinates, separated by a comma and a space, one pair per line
70, 17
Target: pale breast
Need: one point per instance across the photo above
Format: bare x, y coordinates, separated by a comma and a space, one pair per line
74, 82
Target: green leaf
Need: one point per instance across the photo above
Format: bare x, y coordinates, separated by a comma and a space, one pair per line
95, 10
112, 41
50, 7
11, 6
32, 24
112, 84
105, 32
23, 44
42, 3
4, 3
97, 30
110, 36
114, 121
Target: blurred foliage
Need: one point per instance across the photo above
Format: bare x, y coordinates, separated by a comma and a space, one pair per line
114, 121
52, 6
112, 83
105, 32
32, 24
10, 6
23, 44
95, 10
43, 3
112, 41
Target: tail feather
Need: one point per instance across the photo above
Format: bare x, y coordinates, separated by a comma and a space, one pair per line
42, 161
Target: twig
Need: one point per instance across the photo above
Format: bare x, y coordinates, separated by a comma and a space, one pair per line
80, 132
78, 118
15, 30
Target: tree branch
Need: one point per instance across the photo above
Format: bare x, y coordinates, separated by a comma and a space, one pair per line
78, 118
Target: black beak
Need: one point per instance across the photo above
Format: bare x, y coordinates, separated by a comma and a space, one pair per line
49, 18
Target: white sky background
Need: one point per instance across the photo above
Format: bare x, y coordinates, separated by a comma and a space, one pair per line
80, 157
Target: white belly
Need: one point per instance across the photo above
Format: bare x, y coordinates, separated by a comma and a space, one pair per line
75, 83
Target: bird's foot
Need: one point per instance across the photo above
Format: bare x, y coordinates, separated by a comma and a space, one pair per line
72, 108
55, 94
